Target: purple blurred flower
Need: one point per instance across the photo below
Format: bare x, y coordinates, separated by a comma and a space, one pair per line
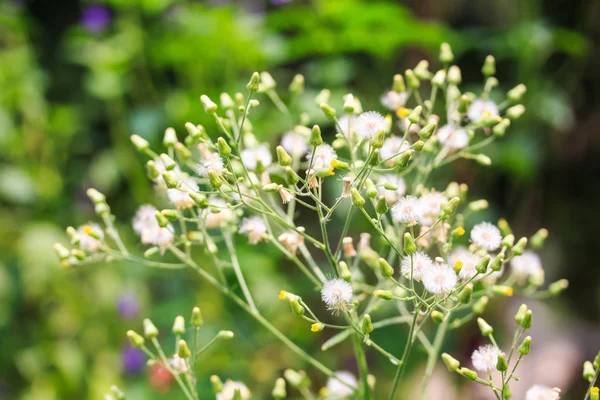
96, 17
133, 359
128, 305
280, 2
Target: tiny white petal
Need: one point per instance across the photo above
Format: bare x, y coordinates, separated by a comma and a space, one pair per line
393, 100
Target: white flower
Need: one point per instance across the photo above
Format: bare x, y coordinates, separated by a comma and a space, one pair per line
291, 240
216, 219
420, 263
336, 389
439, 278
452, 137
406, 210
211, 163
486, 236
337, 295
393, 146
394, 100
369, 123
286, 195
86, 234
431, 206
468, 260
323, 156
527, 264
391, 196
144, 218
294, 143
485, 359
481, 108
345, 122
178, 364
255, 228
542, 392
180, 197
229, 389
252, 156
146, 225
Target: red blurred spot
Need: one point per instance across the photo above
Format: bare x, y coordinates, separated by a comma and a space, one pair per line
160, 378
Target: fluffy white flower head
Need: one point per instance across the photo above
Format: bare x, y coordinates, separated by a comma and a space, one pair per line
420, 263
439, 278
452, 137
392, 146
216, 219
323, 156
542, 392
86, 240
481, 108
391, 196
255, 228
393, 100
347, 121
294, 143
487, 236
180, 197
229, 389
337, 295
369, 123
336, 389
468, 260
485, 359
252, 156
526, 264
146, 225
212, 163
430, 207
407, 210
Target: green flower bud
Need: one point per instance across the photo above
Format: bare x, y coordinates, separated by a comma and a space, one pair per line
413, 117
504, 227
404, 158
525, 347
480, 305
199, 199
381, 207
377, 141
345, 273
170, 137
357, 199
61, 251
398, 85
291, 176
538, 238
279, 391
283, 157
297, 308
463, 104
140, 143
521, 314
422, 70
556, 288
254, 83
270, 188
515, 112
135, 339
217, 385
489, 66
150, 330
327, 110
449, 208
95, 196
500, 128
439, 78
588, 371
366, 325
226, 335
182, 151
296, 378
266, 82
383, 294
496, 265
171, 215
454, 76
465, 294
349, 103
502, 290
501, 365
409, 243
223, 147
477, 205
297, 85
208, 104
385, 268
315, 136
437, 316
371, 189
226, 101
508, 241
427, 131
325, 172
323, 96
152, 171
102, 209
411, 79
418, 146
161, 219
214, 179
168, 162
519, 247
183, 350
341, 165
451, 363
527, 320
484, 327
179, 325
196, 320
515, 94
446, 55
468, 373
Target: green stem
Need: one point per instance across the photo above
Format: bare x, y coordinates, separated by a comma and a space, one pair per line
238, 270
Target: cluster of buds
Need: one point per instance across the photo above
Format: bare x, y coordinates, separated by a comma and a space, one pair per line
591, 371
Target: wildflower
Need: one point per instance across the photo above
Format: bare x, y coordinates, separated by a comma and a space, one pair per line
217, 219
291, 240
180, 197
365, 241
393, 100
406, 210
213, 162
526, 264
229, 389
485, 359
431, 206
481, 108
486, 236
96, 18
369, 124
467, 260
452, 137
178, 364
392, 147
294, 143
336, 389
346, 186
348, 247
337, 295
419, 264
286, 195
255, 228
254, 155
133, 359
90, 237
348, 125
542, 392
323, 155
391, 196
439, 278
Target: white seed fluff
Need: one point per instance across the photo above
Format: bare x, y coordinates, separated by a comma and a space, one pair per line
481, 108
452, 137
439, 279
392, 147
420, 263
336, 389
255, 228
323, 156
393, 100
294, 143
345, 122
251, 157
213, 163
337, 295
369, 123
468, 260
486, 236
229, 389
180, 197
485, 359
542, 392
430, 207
406, 210
526, 264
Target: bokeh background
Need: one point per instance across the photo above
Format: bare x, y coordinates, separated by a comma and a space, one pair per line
78, 77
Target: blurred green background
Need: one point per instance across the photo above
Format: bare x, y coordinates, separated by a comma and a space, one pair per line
78, 77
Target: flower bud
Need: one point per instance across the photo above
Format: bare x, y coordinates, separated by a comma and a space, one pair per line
458, 232
371, 189
450, 207
95, 196
179, 325
183, 350
489, 66
61, 251
151, 170
366, 325
527, 320
465, 294
454, 76
519, 247
381, 207
501, 365
427, 131
413, 117
515, 94
140, 143
291, 176
168, 162
171, 215
217, 385
500, 128
226, 335
556, 288
480, 305
515, 112
477, 205
196, 320
439, 78
409, 243
266, 82
538, 238
468, 373
525, 347
279, 391
502, 290
404, 159
496, 265
199, 199
150, 330
223, 148
182, 151
422, 70
521, 313
451, 363
317, 327
170, 137
283, 157
214, 179
398, 85
315, 136
297, 85
297, 308
254, 82
357, 199
296, 378
325, 172
208, 104
446, 55
349, 103
588, 371
594, 393
323, 96
383, 294
504, 227
161, 219
345, 273
385, 268
135, 339
437, 316
508, 241
411, 79
485, 328
327, 110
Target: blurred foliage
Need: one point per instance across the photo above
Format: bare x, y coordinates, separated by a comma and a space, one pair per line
70, 97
